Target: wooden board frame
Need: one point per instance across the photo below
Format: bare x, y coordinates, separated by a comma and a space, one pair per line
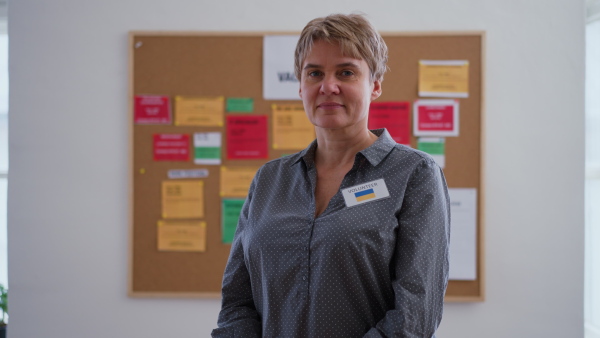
458, 291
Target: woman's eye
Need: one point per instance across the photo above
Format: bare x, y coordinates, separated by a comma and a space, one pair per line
314, 73
347, 73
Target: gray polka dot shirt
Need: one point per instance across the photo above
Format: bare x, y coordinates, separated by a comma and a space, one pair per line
375, 269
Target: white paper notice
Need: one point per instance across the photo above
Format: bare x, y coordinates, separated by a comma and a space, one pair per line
279, 81
207, 148
463, 233
435, 118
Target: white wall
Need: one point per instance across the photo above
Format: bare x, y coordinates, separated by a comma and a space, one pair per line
68, 188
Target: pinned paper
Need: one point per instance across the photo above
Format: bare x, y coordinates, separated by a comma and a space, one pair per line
231, 210
240, 105
247, 137
463, 237
199, 111
187, 173
207, 148
171, 147
434, 146
444, 78
235, 181
394, 116
291, 128
182, 236
182, 199
152, 109
435, 118
279, 80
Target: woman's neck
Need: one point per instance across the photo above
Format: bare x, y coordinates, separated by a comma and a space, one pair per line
337, 147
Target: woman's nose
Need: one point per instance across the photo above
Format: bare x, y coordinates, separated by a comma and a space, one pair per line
330, 86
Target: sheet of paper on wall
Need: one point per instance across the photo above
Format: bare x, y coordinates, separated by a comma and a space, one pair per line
171, 147
394, 116
183, 199
152, 109
247, 137
207, 148
444, 78
239, 104
463, 235
230, 209
182, 236
235, 181
436, 118
175, 174
434, 146
279, 81
199, 111
291, 128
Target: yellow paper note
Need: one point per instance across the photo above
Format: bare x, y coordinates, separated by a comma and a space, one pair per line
182, 236
235, 181
183, 199
444, 78
199, 111
291, 128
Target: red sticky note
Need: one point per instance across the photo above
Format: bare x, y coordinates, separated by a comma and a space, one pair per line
152, 109
394, 116
436, 118
247, 137
171, 147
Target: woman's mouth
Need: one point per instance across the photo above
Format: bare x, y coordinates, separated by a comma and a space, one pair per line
330, 105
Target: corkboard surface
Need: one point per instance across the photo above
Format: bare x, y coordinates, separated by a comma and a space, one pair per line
230, 65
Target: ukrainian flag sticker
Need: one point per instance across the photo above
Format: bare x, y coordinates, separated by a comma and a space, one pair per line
365, 192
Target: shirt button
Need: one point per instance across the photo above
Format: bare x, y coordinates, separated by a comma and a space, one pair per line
303, 277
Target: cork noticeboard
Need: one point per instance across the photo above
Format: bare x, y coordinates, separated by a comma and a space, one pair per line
230, 65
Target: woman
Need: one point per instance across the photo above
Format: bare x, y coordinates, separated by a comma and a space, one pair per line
348, 238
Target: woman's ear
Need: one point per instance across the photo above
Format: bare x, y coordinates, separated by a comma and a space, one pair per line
376, 92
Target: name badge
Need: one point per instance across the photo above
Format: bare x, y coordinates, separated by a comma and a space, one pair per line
365, 192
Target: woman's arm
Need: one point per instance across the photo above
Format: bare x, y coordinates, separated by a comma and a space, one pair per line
238, 316
420, 264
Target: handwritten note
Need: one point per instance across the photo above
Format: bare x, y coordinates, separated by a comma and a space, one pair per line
183, 199
444, 78
235, 181
291, 128
199, 111
182, 236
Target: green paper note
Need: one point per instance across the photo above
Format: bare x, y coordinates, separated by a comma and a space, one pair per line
240, 105
207, 152
231, 209
432, 148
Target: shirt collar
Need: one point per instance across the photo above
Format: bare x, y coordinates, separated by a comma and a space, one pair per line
380, 148
375, 153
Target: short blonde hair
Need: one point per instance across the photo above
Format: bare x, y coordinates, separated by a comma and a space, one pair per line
355, 35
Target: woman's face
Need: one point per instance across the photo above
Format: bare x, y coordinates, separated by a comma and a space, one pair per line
336, 90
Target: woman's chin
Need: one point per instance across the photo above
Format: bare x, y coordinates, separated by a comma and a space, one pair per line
331, 123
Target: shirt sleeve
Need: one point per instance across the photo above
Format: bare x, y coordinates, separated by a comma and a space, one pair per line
238, 316
420, 264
